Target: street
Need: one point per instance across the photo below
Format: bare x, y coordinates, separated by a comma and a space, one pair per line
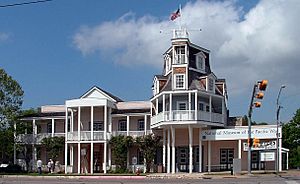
250, 180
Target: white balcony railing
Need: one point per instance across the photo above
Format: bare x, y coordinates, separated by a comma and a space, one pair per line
85, 136
35, 139
186, 115
130, 133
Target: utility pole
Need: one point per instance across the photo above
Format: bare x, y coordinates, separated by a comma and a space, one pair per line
277, 126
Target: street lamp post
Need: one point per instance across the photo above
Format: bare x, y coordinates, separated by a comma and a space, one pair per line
277, 125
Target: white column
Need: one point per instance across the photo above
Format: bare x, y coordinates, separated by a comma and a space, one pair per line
105, 156
33, 147
173, 149
15, 136
66, 138
105, 122
92, 124
169, 152
109, 156
200, 150
196, 106
34, 127
190, 106
53, 127
66, 157
156, 106
92, 158
164, 103
127, 125
78, 124
240, 149
78, 157
191, 148
209, 156
280, 155
210, 114
170, 110
145, 124
72, 122
164, 150
109, 121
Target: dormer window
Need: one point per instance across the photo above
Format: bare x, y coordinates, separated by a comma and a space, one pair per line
200, 61
179, 55
167, 63
179, 81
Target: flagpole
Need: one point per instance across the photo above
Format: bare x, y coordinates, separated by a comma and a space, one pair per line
180, 26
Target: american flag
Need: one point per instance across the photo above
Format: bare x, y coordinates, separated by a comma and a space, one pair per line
175, 15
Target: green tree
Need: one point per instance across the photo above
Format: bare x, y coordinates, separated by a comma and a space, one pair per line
11, 99
120, 146
54, 146
291, 139
148, 144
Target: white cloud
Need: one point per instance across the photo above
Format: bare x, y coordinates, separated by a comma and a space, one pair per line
263, 44
3, 37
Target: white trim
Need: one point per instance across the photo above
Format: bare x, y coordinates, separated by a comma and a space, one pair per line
100, 91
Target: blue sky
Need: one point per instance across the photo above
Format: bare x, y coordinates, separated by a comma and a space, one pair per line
60, 49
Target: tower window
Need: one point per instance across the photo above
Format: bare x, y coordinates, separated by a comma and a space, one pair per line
179, 81
180, 55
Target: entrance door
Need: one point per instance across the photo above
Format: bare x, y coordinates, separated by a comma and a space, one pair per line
255, 160
226, 159
183, 159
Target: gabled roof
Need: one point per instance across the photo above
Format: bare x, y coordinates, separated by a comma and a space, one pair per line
95, 91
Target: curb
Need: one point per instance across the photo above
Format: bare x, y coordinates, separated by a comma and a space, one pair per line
113, 177
77, 177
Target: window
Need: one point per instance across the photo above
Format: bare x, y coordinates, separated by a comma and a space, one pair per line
181, 106
180, 55
179, 81
207, 108
98, 126
201, 106
49, 127
122, 125
210, 84
141, 125
167, 63
200, 62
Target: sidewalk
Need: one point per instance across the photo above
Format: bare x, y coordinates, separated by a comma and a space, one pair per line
226, 174
211, 175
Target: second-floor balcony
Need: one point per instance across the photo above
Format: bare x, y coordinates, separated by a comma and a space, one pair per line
35, 138
131, 133
186, 115
86, 136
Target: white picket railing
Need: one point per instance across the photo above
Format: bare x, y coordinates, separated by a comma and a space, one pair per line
186, 115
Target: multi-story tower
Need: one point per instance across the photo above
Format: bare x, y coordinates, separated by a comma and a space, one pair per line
187, 98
